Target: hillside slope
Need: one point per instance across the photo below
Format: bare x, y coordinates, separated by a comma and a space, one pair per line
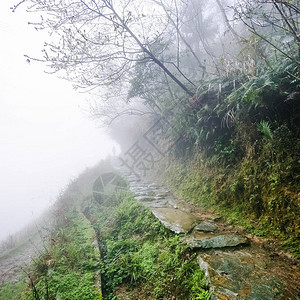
111, 250
107, 242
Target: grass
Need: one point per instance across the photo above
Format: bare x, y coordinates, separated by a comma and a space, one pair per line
66, 270
138, 258
144, 260
259, 193
12, 291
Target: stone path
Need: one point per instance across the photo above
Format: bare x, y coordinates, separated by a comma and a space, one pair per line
236, 267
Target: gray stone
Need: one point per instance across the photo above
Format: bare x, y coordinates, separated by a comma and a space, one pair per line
153, 186
144, 198
176, 220
232, 273
162, 195
206, 227
145, 193
219, 241
156, 204
243, 275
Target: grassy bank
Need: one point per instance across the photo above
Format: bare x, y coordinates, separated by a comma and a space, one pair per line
259, 192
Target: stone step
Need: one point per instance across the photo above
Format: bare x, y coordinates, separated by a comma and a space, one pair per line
176, 220
157, 204
147, 198
206, 241
206, 226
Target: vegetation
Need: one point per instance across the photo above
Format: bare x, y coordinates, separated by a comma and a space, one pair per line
113, 250
142, 259
239, 151
12, 291
235, 106
259, 190
67, 269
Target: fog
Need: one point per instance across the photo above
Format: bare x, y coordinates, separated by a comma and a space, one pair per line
45, 138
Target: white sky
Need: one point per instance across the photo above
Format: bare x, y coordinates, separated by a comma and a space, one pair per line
45, 140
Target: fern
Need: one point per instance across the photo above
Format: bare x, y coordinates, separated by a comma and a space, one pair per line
264, 128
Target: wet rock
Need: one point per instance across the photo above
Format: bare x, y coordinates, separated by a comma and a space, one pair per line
219, 241
241, 275
157, 204
204, 266
224, 294
140, 189
206, 227
176, 220
162, 195
144, 198
181, 205
145, 193
232, 273
153, 186
147, 198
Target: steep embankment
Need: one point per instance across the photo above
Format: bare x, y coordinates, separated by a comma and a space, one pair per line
64, 259
12, 261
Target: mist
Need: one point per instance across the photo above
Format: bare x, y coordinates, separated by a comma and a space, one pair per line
46, 138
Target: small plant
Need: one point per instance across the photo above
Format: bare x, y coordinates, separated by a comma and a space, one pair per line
265, 128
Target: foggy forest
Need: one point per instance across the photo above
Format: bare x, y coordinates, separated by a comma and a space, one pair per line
197, 193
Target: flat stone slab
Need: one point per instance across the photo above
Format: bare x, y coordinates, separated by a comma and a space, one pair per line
206, 226
232, 272
219, 241
144, 198
145, 193
148, 198
176, 220
140, 189
156, 203
247, 274
162, 195
153, 186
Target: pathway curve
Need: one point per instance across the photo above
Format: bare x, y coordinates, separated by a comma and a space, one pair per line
236, 267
